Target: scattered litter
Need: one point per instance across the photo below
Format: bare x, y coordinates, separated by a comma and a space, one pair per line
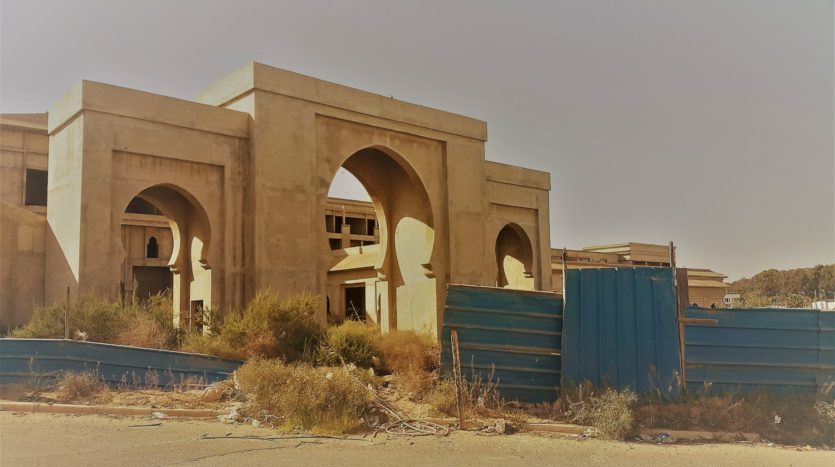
212, 394
256, 423
158, 415
664, 438
645, 438
232, 417
777, 419
591, 432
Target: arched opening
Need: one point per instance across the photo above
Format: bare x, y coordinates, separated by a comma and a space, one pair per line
380, 255
514, 258
175, 256
152, 249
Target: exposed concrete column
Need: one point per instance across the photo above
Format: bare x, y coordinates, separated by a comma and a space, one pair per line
345, 230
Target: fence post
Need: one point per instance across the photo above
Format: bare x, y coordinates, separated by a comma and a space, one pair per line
456, 372
682, 292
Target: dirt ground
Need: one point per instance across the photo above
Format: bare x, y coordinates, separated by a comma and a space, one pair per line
46, 439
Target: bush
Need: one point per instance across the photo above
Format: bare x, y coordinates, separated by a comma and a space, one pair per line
301, 397
72, 386
142, 323
409, 352
99, 319
211, 345
350, 342
610, 412
268, 327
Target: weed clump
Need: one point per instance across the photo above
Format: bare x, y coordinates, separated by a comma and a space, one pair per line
350, 342
301, 397
268, 327
412, 358
609, 410
73, 386
409, 352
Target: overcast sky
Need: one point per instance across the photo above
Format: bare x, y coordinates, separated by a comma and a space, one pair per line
709, 123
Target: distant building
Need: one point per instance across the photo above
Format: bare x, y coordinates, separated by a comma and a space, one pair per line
828, 305
706, 288
731, 299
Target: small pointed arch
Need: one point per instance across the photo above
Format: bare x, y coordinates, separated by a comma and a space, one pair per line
514, 258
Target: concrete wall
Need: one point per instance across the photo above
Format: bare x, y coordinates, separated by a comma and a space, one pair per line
23, 145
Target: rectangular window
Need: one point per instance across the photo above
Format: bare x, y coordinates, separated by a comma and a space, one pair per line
35, 187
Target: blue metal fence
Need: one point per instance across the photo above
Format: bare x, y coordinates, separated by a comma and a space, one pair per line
780, 350
620, 329
28, 360
511, 335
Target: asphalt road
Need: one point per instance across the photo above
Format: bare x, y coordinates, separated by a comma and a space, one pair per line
91, 440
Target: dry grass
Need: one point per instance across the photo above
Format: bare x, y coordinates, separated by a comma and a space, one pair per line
479, 397
301, 397
75, 386
409, 352
350, 342
211, 345
799, 416
442, 398
144, 331
413, 358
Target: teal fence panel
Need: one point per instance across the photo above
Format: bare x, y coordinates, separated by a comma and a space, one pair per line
40, 360
780, 350
620, 329
509, 336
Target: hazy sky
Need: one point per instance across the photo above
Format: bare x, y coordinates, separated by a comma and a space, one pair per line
709, 123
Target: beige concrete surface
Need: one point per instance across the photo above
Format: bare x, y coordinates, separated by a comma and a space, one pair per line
43, 439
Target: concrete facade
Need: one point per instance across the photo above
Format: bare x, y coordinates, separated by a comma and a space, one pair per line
257, 154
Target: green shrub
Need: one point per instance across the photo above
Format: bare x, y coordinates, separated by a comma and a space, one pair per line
350, 342
268, 327
301, 397
145, 323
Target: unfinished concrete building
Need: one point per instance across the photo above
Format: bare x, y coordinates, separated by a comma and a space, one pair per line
241, 178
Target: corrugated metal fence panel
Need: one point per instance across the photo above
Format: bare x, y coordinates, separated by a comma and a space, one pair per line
781, 350
621, 329
22, 360
512, 334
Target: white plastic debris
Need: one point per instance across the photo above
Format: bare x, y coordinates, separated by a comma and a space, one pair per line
158, 415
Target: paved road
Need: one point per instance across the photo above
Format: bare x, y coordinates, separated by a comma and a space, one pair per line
48, 440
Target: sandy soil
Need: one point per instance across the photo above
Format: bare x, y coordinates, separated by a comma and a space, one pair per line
44, 439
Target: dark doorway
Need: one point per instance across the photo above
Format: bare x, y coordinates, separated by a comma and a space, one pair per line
355, 303
151, 280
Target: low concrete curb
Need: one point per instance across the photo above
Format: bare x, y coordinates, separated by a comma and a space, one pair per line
555, 428
9, 406
691, 435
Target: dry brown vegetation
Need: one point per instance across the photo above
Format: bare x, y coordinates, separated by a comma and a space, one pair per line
790, 419
303, 397
73, 386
